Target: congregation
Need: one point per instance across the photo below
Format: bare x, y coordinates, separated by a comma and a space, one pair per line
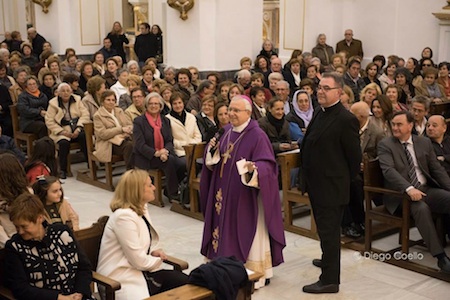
147, 112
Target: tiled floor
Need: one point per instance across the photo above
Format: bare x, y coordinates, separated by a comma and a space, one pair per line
360, 278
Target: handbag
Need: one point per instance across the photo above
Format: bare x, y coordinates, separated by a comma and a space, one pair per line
183, 186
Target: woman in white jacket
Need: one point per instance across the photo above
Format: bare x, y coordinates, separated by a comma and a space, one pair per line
130, 251
184, 125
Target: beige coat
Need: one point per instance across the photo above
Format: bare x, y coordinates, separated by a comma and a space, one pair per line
55, 114
91, 105
108, 133
67, 213
15, 90
132, 112
422, 90
184, 134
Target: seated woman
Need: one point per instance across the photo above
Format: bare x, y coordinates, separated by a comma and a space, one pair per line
42, 161
130, 251
65, 119
166, 91
234, 90
44, 261
133, 68
87, 72
113, 131
444, 77
301, 115
347, 97
95, 88
393, 92
110, 75
205, 119
184, 84
57, 208
429, 86
221, 115
371, 74
275, 125
32, 107
125, 100
259, 106
403, 79
137, 108
99, 63
369, 93
184, 125
388, 76
153, 148
13, 182
48, 84
262, 64
382, 112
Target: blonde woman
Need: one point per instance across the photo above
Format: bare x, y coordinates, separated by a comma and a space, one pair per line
130, 251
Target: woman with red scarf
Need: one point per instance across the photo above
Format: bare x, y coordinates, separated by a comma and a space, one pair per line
153, 148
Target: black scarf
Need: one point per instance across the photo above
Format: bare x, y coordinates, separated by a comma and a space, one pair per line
278, 123
181, 118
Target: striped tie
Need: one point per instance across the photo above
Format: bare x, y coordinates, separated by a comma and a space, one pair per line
412, 169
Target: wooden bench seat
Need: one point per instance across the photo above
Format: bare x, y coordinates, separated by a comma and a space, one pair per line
292, 197
194, 292
21, 138
193, 152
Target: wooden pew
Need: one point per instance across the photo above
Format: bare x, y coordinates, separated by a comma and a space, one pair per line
194, 292
20, 137
90, 176
193, 152
292, 196
89, 240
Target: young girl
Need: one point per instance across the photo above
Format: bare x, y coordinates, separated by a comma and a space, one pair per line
58, 209
42, 161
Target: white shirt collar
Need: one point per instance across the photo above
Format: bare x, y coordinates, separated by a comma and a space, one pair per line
364, 128
324, 108
241, 127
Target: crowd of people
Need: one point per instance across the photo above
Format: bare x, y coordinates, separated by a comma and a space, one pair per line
147, 113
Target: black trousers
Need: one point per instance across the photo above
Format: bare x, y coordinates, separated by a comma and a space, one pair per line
38, 128
64, 149
164, 280
125, 149
354, 211
174, 168
328, 220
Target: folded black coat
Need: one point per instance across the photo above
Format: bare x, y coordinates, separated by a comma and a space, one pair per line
224, 276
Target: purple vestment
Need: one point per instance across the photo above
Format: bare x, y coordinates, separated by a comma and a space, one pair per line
230, 208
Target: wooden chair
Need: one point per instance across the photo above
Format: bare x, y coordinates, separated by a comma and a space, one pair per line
193, 152
20, 137
89, 240
157, 178
90, 176
194, 292
293, 197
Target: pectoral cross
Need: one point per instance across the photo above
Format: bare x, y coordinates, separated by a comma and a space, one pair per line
226, 156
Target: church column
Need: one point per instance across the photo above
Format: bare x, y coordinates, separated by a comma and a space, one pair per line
444, 33
216, 35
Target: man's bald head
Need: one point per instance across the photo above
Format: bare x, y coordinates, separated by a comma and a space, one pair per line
361, 110
436, 128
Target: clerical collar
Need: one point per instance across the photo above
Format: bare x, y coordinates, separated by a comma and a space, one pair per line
241, 128
324, 109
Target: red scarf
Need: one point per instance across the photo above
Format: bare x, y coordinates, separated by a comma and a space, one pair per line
156, 125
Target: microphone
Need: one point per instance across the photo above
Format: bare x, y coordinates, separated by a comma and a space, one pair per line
218, 135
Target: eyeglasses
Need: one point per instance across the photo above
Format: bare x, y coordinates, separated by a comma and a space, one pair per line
154, 104
326, 88
235, 110
426, 65
138, 97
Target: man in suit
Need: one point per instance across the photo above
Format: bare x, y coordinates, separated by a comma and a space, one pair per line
353, 79
409, 165
369, 136
420, 105
330, 158
436, 129
352, 46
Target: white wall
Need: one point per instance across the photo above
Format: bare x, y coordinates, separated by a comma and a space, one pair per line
402, 27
